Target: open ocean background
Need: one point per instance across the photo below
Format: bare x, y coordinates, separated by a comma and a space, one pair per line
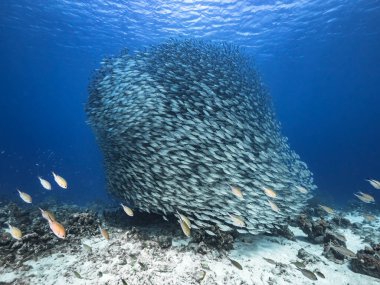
319, 59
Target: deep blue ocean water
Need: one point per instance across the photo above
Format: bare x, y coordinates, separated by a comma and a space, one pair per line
320, 61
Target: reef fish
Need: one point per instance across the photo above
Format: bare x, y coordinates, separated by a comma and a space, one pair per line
127, 210
328, 210
15, 232
374, 183
237, 192
46, 184
60, 180
57, 228
25, 197
366, 198
47, 215
104, 233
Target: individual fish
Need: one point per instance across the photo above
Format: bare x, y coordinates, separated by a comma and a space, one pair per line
369, 218
47, 215
127, 210
57, 228
15, 232
60, 180
319, 273
273, 206
123, 281
328, 210
184, 219
269, 260
104, 233
77, 275
269, 192
237, 192
374, 183
185, 228
237, 220
87, 248
302, 189
298, 264
236, 264
366, 198
25, 197
46, 184
343, 251
309, 274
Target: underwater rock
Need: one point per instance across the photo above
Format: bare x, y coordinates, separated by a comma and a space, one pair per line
315, 230
337, 253
182, 122
219, 241
38, 238
341, 222
284, 231
307, 257
367, 262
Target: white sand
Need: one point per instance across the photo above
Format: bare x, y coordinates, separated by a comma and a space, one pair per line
148, 264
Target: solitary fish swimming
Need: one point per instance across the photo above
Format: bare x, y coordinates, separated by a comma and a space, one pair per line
104, 233
60, 181
15, 232
127, 210
57, 228
25, 197
375, 183
46, 184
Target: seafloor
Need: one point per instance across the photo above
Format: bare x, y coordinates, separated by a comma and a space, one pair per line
342, 248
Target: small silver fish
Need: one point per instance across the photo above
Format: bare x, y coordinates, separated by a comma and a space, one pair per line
236, 264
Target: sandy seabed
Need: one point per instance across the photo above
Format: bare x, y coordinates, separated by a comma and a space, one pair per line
144, 262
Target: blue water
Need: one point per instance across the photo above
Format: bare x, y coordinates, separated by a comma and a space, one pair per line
319, 59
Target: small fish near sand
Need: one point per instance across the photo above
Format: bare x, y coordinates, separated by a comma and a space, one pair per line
236, 264
87, 248
374, 183
127, 210
45, 184
369, 218
237, 220
269, 260
60, 180
25, 197
104, 233
328, 210
185, 228
14, 232
307, 273
185, 219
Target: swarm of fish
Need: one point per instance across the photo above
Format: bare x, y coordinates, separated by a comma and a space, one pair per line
187, 126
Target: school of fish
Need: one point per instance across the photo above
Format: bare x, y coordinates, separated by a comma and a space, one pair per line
187, 126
